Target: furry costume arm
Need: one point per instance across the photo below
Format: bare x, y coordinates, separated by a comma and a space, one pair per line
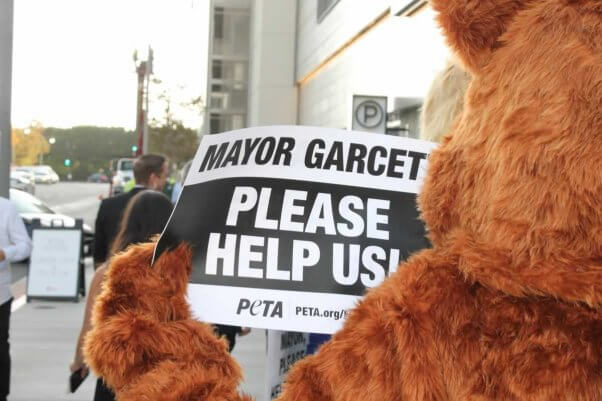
130, 342
473, 27
144, 343
386, 342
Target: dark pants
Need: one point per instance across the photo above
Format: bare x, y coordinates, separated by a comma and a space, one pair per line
103, 393
229, 332
4, 349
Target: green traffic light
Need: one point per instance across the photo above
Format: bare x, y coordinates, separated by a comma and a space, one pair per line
134, 148
67, 162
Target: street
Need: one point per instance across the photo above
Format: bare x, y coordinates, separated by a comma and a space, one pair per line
76, 199
43, 333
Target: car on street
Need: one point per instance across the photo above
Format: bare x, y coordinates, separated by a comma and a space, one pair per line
123, 172
25, 172
22, 181
98, 177
42, 174
29, 208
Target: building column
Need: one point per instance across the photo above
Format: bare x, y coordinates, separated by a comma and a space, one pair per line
6, 60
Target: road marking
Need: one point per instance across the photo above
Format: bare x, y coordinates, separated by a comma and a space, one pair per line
19, 290
18, 303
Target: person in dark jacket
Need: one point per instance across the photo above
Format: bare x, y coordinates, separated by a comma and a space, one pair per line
150, 172
230, 333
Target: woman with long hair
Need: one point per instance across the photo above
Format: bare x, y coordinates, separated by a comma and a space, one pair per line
145, 216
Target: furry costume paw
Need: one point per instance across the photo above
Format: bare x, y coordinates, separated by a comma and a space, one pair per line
145, 344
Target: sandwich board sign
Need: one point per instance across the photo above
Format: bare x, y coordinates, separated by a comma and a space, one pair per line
290, 225
54, 267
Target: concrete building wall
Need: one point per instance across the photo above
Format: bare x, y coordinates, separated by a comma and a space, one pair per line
396, 57
319, 39
324, 100
272, 90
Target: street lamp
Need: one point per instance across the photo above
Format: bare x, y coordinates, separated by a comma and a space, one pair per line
52, 140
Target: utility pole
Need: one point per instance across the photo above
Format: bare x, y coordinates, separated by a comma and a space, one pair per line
140, 70
149, 71
6, 61
143, 69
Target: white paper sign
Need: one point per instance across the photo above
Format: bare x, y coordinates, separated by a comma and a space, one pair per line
290, 225
54, 263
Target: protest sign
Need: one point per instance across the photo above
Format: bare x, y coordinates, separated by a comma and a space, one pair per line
284, 348
289, 225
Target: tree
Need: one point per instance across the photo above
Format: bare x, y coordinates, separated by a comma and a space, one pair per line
28, 145
168, 135
174, 140
89, 148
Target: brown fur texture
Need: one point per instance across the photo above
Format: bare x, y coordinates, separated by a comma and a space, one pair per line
508, 303
144, 342
507, 306
443, 102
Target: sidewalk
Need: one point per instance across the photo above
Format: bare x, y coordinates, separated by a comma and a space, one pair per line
43, 335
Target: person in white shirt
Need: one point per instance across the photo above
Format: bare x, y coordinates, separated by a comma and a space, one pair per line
15, 245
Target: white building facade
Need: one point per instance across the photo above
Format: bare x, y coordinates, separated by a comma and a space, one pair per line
228, 69
308, 58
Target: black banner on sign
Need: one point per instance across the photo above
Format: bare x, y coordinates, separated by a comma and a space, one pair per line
294, 235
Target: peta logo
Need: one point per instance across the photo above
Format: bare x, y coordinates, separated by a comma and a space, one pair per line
265, 308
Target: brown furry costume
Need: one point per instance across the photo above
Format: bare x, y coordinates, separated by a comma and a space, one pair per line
144, 342
508, 303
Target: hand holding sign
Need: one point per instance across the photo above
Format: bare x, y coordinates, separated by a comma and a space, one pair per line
142, 320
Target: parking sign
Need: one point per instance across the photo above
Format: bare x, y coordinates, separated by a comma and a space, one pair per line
369, 113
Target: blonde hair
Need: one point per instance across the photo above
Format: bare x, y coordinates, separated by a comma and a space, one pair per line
444, 102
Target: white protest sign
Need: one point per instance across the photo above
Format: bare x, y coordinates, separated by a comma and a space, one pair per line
284, 348
289, 225
54, 263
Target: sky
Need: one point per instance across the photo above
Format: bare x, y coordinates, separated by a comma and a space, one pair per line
73, 65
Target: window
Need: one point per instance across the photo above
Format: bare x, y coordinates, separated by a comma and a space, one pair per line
216, 124
324, 7
216, 70
229, 70
240, 71
231, 31
225, 122
406, 7
238, 99
404, 122
217, 102
238, 121
218, 23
